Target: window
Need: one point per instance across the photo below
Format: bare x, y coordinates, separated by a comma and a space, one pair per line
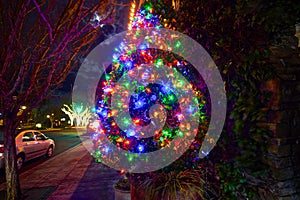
39, 136
28, 136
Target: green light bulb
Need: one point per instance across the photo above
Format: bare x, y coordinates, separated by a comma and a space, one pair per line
178, 44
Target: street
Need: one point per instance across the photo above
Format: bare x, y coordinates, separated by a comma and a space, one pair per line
64, 140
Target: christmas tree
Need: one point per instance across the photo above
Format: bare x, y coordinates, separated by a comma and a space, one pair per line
182, 93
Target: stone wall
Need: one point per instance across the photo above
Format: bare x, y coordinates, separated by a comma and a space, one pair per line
284, 120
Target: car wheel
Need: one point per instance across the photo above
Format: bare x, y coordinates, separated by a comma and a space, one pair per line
49, 152
20, 161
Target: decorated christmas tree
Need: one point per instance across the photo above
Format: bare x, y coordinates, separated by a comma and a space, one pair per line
182, 79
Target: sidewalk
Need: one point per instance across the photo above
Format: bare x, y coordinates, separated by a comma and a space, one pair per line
70, 175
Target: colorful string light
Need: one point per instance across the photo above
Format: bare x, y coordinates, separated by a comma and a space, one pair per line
129, 57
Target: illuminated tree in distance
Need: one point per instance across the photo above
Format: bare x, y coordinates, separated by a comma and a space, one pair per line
79, 115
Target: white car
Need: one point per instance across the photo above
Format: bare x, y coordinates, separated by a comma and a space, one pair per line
30, 144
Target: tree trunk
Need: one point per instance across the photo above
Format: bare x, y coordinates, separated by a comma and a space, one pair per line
11, 171
51, 122
71, 121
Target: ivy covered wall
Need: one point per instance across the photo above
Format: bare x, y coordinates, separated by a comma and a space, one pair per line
284, 117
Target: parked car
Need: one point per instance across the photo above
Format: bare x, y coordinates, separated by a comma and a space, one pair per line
30, 144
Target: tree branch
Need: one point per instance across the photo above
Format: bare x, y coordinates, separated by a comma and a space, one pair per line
44, 19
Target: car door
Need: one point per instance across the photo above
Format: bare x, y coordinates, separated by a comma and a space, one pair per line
29, 145
42, 143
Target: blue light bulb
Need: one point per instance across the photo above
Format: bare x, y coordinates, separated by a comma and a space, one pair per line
141, 148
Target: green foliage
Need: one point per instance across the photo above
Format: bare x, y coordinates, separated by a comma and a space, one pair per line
186, 184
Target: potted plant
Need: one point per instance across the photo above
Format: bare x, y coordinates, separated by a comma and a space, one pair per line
122, 189
173, 185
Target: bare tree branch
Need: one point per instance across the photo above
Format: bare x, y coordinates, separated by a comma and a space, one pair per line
44, 19
15, 29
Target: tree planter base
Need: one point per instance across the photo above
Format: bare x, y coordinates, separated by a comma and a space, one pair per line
122, 194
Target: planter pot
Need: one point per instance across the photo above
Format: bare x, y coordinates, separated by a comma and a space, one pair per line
122, 194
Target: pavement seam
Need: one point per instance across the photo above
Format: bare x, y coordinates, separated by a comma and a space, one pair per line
71, 188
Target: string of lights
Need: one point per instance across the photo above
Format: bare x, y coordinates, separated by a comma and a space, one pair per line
131, 61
